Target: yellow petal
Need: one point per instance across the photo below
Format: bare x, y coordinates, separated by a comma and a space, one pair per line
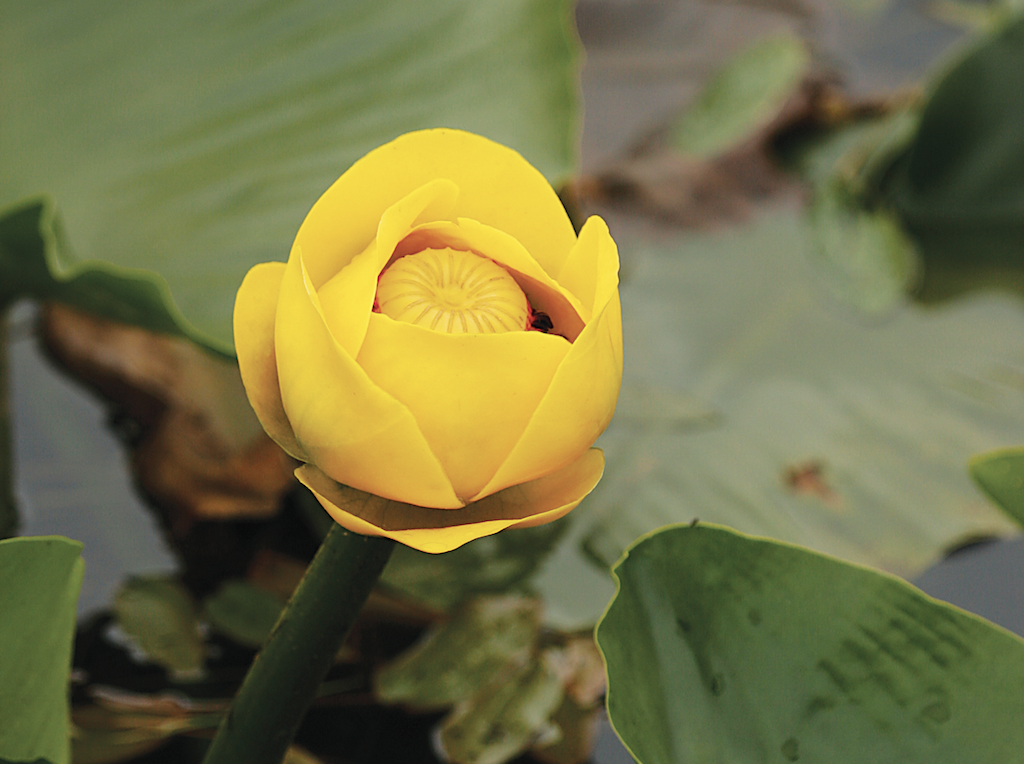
350, 428
471, 394
347, 297
255, 309
544, 293
576, 408
592, 268
435, 531
497, 187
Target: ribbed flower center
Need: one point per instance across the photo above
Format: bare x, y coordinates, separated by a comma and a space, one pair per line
452, 291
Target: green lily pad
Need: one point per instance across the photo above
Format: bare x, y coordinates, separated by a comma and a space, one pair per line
840, 434
34, 262
866, 258
490, 565
742, 98
159, 615
243, 612
1001, 475
723, 647
461, 656
39, 582
507, 715
191, 143
960, 186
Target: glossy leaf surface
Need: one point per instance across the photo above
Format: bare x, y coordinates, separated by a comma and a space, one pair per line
727, 648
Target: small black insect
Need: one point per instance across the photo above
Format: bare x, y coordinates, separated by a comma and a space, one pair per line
542, 322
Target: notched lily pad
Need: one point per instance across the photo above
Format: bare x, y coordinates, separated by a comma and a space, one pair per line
195, 148
34, 262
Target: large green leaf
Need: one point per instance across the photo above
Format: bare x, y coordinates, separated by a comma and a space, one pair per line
1001, 475
725, 648
191, 141
751, 400
39, 582
34, 263
960, 186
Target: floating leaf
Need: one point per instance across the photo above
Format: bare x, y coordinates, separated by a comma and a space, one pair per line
960, 186
1001, 476
483, 637
40, 578
723, 647
243, 612
841, 435
192, 143
865, 256
34, 263
505, 716
158, 614
489, 565
747, 94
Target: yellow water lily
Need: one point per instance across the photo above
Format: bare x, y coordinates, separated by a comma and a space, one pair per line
440, 350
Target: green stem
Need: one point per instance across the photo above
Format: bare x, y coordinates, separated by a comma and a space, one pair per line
284, 678
8, 510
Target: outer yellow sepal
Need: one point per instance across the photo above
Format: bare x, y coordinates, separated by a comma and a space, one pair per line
434, 531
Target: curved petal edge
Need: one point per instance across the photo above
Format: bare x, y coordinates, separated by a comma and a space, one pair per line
253, 319
435, 531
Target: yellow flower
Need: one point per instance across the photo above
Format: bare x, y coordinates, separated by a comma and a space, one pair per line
440, 350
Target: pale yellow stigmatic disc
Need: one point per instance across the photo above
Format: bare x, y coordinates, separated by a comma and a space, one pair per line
452, 291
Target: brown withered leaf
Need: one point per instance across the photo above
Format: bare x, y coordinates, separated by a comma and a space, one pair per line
577, 726
197, 450
120, 725
509, 714
581, 669
296, 754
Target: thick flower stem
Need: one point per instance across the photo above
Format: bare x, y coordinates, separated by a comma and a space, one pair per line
284, 678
